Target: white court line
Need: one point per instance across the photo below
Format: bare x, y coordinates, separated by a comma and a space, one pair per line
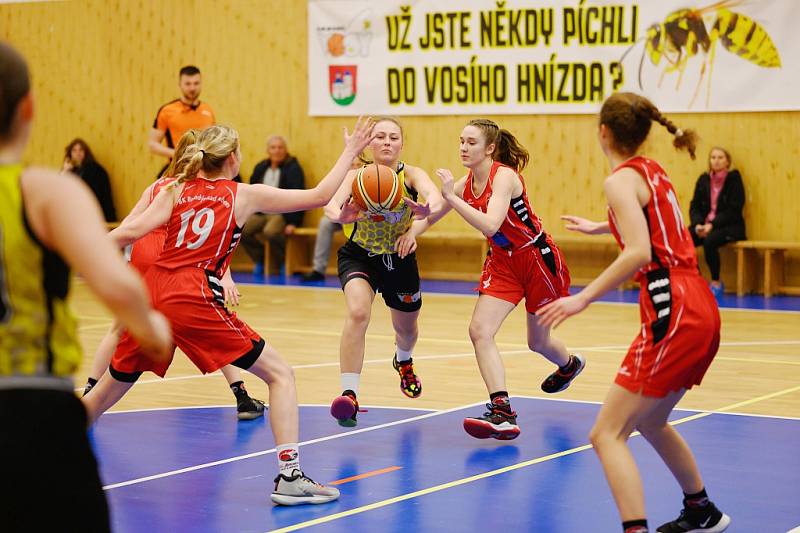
179, 407
460, 355
700, 412
686, 409
264, 452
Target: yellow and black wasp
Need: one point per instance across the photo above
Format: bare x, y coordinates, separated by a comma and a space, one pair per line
683, 34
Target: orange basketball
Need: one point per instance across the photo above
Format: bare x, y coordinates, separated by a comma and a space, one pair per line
376, 188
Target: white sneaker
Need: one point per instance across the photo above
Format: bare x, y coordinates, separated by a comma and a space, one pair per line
298, 489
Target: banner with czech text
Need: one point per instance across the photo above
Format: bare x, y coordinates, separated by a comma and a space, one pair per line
438, 57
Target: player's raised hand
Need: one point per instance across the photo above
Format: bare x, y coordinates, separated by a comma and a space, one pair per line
361, 136
447, 179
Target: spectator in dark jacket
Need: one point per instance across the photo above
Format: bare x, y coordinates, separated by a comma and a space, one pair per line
716, 211
79, 160
279, 170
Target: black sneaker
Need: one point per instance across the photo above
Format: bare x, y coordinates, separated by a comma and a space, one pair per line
248, 408
314, 276
344, 409
558, 381
409, 382
497, 423
706, 519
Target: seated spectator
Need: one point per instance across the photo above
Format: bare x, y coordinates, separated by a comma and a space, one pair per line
279, 170
79, 160
716, 211
322, 248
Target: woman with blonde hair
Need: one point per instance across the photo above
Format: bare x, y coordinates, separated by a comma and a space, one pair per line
204, 211
143, 254
379, 256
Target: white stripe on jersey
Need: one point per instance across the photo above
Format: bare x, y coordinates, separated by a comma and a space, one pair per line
654, 199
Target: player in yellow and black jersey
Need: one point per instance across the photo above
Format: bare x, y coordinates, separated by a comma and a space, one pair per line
379, 256
48, 223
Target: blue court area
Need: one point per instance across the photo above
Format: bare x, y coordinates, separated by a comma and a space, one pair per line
728, 301
200, 470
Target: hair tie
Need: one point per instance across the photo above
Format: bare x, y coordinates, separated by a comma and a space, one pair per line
203, 152
679, 133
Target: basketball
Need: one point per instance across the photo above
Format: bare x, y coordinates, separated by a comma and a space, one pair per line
376, 188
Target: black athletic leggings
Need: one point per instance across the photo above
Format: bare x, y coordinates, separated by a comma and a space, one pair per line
711, 244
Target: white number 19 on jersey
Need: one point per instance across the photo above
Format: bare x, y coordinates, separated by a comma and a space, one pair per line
201, 223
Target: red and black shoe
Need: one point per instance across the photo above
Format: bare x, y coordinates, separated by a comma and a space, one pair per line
560, 380
344, 409
409, 381
497, 423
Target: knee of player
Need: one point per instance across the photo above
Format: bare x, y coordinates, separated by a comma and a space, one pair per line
479, 332
359, 315
600, 435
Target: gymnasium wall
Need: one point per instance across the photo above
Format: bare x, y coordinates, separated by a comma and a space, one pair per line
102, 68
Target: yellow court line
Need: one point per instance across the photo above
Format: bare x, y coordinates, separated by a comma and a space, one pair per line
463, 481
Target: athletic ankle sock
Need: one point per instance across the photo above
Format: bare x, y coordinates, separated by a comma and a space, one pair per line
570, 366
238, 390
402, 355
500, 400
350, 381
635, 526
288, 458
696, 501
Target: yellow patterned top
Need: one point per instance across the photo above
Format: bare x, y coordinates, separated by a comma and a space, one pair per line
38, 336
378, 233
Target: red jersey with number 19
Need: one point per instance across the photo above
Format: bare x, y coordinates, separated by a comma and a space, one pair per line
202, 231
671, 242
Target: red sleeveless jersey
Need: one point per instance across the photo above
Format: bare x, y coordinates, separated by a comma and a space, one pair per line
202, 230
670, 241
520, 228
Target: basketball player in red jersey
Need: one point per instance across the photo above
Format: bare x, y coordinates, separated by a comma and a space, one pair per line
523, 262
680, 321
143, 254
204, 214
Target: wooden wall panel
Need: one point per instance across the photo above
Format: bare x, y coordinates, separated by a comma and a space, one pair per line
101, 69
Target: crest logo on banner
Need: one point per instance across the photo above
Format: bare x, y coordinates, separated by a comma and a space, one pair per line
342, 83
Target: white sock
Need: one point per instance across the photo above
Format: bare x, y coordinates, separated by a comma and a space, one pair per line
350, 381
288, 458
402, 355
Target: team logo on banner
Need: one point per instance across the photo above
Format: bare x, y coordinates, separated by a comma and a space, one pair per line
342, 83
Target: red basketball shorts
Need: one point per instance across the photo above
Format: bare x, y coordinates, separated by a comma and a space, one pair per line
678, 338
202, 328
539, 275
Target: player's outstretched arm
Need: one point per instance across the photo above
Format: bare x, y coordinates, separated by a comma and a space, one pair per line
584, 225
266, 199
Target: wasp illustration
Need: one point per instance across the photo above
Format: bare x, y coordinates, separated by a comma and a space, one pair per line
683, 34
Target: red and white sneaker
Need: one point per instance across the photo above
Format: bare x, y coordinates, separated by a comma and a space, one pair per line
497, 424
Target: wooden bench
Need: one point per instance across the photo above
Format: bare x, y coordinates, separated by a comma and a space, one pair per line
457, 255
460, 262
773, 274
